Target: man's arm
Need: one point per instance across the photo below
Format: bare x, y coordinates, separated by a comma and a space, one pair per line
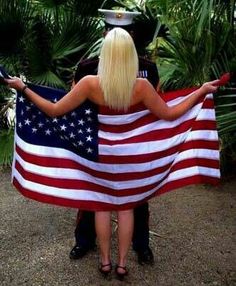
148, 70
155, 76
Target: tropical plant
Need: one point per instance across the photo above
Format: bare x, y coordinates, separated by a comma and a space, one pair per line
51, 37
43, 40
200, 45
225, 103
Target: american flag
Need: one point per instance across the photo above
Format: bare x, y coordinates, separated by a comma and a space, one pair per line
95, 158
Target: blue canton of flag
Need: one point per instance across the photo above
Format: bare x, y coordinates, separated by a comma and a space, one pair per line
76, 131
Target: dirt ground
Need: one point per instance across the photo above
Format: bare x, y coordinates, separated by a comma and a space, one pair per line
192, 237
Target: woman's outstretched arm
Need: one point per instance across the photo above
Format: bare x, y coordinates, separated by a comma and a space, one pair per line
157, 105
69, 102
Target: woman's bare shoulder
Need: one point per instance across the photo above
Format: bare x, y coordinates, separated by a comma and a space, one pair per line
141, 86
92, 85
139, 90
90, 79
88, 83
142, 83
141, 80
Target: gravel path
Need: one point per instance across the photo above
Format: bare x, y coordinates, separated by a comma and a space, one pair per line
192, 237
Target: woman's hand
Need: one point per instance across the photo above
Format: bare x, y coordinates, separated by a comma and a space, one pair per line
15, 83
210, 87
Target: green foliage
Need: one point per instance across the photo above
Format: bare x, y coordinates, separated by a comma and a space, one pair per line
6, 147
147, 25
228, 153
14, 20
43, 40
201, 43
225, 102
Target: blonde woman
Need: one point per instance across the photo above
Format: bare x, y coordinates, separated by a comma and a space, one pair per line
117, 87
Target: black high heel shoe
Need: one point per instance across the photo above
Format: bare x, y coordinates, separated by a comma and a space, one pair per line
105, 272
121, 276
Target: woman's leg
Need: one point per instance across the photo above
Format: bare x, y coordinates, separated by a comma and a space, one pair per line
103, 230
125, 233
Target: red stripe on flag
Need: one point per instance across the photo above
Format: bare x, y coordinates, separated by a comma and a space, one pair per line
204, 125
147, 119
140, 158
133, 109
208, 103
69, 183
171, 95
99, 206
162, 134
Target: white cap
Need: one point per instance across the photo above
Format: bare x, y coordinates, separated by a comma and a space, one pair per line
118, 17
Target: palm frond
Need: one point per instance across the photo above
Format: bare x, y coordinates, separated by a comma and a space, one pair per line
225, 102
200, 43
15, 19
6, 147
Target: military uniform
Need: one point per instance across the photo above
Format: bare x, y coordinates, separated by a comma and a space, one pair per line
85, 234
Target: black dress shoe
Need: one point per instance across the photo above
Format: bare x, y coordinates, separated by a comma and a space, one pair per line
145, 256
79, 251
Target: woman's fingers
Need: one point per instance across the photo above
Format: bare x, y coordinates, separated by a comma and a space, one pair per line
15, 83
215, 82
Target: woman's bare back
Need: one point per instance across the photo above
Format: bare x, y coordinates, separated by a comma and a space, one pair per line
96, 96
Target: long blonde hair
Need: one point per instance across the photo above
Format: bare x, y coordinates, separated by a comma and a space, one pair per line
118, 68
